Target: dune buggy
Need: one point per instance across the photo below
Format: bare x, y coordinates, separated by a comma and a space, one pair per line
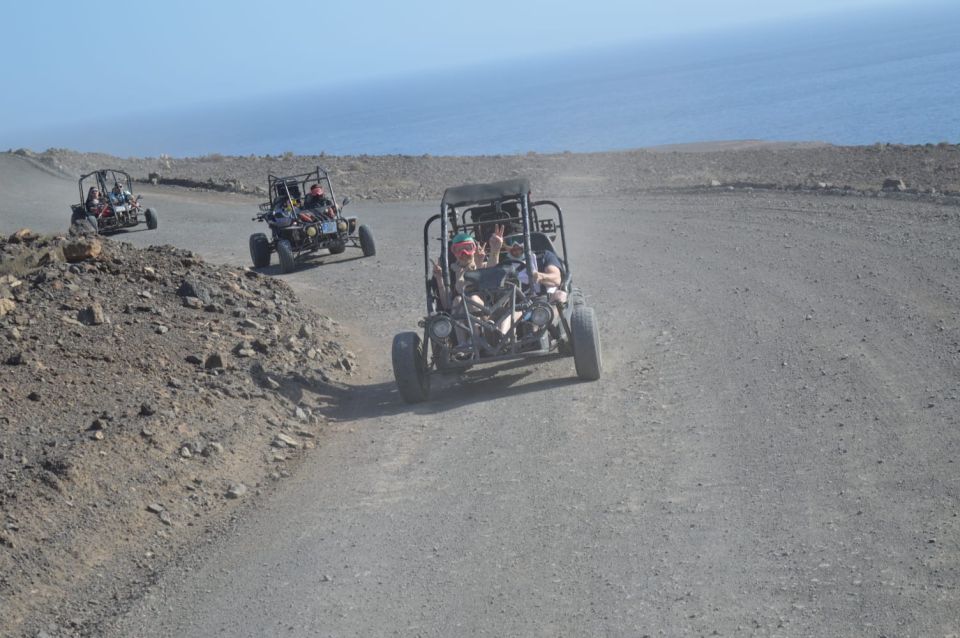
107, 204
499, 315
301, 223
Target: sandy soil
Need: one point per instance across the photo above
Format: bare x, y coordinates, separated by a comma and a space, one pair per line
770, 451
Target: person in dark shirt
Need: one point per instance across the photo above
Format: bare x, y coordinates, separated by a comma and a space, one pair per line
318, 202
548, 269
94, 200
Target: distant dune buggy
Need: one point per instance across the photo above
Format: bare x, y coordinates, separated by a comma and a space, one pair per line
467, 332
303, 222
107, 204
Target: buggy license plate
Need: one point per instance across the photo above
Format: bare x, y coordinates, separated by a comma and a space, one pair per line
328, 228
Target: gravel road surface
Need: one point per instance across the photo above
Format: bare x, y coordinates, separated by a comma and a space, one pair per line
773, 448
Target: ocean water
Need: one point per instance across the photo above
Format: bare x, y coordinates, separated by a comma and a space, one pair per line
886, 76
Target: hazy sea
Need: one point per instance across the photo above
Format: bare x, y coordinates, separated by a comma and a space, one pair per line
886, 76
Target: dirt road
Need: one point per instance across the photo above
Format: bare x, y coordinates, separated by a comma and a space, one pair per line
773, 448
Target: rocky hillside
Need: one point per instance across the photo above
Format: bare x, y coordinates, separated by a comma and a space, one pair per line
931, 170
144, 395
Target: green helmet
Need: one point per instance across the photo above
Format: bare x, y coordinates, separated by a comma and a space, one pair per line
461, 237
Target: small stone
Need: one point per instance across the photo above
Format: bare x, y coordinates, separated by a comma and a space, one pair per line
147, 409
7, 306
92, 315
161, 329
283, 441
185, 452
33, 396
236, 490
145, 294
212, 449
194, 359
214, 360
250, 323
155, 508
192, 302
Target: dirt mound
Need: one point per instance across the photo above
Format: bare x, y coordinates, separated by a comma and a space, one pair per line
144, 395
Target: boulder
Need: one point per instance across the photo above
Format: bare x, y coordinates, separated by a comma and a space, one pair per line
82, 249
191, 287
23, 236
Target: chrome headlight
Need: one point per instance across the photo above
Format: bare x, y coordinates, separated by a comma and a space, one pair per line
342, 226
540, 314
440, 327
311, 231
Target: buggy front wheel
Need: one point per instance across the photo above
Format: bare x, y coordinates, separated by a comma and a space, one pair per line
410, 367
367, 244
151, 216
259, 250
586, 343
285, 253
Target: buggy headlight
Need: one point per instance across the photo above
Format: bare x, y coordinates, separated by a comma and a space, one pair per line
342, 226
540, 314
441, 327
311, 231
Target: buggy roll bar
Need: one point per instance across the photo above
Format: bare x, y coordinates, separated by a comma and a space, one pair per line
318, 173
447, 217
101, 174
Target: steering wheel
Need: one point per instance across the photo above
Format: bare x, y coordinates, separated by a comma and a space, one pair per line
522, 265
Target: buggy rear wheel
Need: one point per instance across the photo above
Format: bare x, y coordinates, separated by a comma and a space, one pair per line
151, 218
586, 343
410, 367
259, 250
285, 253
367, 244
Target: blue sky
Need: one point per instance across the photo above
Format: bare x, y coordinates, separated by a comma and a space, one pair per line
72, 62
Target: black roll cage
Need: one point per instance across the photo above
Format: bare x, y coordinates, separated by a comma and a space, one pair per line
279, 188
450, 225
102, 180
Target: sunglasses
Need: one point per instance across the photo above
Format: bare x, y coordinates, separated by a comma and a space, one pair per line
464, 248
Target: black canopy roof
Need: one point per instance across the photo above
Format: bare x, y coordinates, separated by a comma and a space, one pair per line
479, 193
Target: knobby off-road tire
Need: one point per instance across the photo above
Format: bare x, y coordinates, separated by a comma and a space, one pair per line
586, 343
259, 250
151, 216
367, 244
410, 367
285, 253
